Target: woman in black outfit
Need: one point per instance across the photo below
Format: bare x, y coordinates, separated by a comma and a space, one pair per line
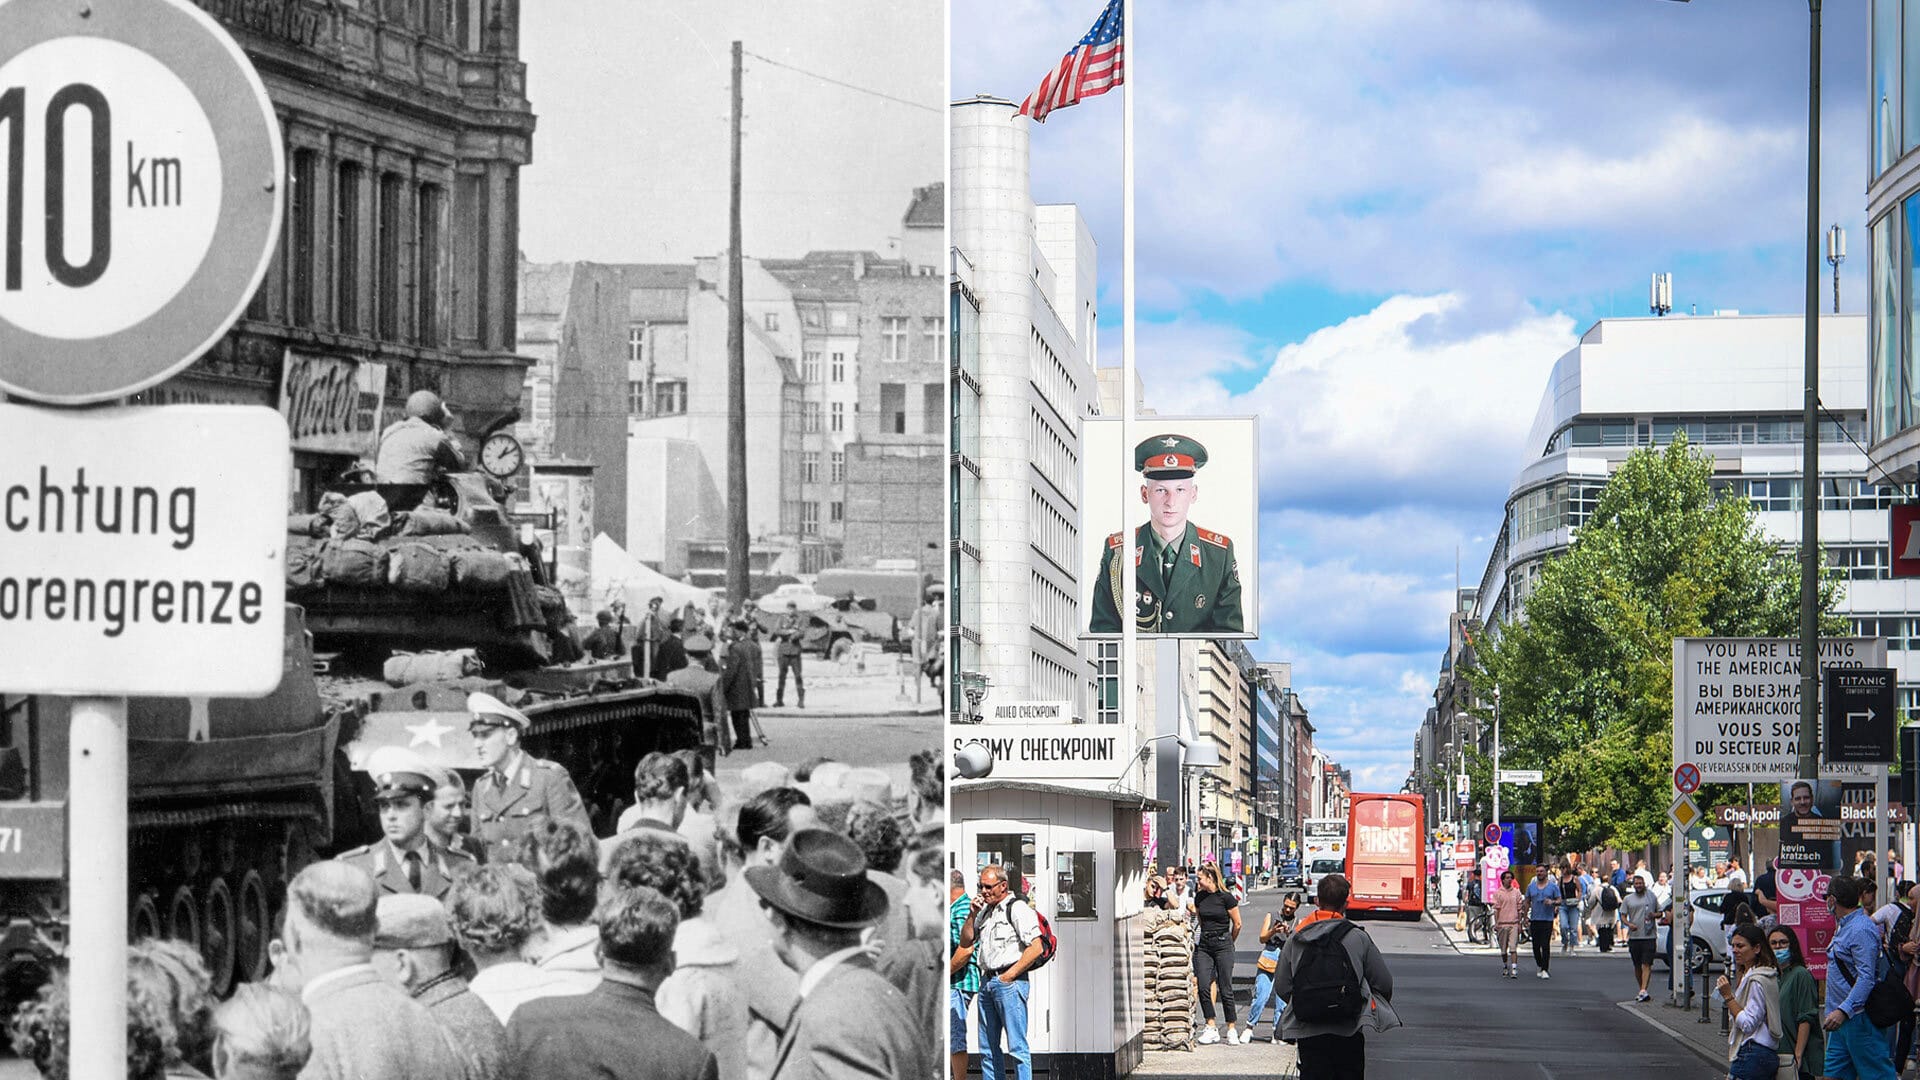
1218, 914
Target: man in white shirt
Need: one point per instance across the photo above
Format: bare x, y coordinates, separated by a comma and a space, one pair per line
1008, 933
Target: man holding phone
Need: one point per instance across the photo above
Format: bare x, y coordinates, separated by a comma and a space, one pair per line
1008, 936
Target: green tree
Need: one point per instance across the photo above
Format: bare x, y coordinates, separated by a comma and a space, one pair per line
1586, 673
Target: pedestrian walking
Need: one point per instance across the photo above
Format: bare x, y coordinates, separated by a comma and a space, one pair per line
1855, 1047
1799, 1005
1218, 914
1754, 1035
1606, 912
1569, 911
1509, 905
1639, 911
1336, 986
1589, 898
1543, 906
1273, 936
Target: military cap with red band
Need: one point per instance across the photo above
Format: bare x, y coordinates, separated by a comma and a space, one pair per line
1168, 457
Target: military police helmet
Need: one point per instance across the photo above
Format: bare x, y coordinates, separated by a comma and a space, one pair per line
1168, 457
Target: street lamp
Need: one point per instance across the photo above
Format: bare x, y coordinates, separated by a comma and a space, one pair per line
1809, 429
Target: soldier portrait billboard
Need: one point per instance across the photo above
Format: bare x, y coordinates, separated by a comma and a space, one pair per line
1178, 507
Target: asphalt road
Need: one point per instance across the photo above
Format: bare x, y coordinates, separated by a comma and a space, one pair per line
1458, 1012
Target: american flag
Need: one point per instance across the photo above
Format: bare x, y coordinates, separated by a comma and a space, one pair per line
1093, 67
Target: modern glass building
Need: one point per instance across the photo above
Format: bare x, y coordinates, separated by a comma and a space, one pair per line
1893, 228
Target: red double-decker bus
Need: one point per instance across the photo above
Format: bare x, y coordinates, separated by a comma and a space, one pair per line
1386, 853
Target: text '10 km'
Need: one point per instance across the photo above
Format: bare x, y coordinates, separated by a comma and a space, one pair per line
150, 183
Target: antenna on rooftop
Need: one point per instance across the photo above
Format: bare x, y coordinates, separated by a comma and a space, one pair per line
1660, 294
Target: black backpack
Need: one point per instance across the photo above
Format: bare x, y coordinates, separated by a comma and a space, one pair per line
1326, 989
1609, 898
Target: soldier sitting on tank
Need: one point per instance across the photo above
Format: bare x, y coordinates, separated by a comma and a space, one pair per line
417, 451
516, 789
406, 860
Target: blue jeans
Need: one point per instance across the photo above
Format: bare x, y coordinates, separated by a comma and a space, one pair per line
1754, 1062
1858, 1050
1003, 1007
1569, 926
1262, 991
958, 1002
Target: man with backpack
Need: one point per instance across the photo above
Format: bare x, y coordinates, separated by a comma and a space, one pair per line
1606, 914
1335, 983
1011, 943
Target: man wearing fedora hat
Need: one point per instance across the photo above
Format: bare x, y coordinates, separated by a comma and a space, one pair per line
1187, 578
850, 1022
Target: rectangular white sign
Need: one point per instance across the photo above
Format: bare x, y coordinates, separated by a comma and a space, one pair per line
1521, 776
1736, 705
1027, 712
1053, 751
142, 550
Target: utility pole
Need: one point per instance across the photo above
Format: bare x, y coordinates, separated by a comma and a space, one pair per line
1810, 430
737, 539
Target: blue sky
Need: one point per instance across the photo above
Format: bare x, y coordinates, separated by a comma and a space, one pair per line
1377, 223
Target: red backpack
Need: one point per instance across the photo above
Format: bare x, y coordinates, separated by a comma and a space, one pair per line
1049, 944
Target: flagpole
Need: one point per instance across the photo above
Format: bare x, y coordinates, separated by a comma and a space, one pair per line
1128, 688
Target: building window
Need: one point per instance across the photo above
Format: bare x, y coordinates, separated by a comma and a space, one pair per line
839, 367
670, 397
812, 316
839, 467
893, 337
932, 408
426, 272
836, 512
809, 518
386, 241
469, 272
810, 366
300, 211
893, 408
773, 320
811, 411
346, 248
839, 416
810, 467
636, 398
930, 334
1073, 885
637, 343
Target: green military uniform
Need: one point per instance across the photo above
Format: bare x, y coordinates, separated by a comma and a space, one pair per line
1187, 585
505, 808
1196, 591
387, 865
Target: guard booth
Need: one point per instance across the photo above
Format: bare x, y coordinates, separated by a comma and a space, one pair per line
1080, 854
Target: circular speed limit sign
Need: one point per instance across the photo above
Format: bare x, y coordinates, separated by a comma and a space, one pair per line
140, 198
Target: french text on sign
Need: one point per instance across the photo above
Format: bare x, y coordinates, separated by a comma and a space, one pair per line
1736, 702
156, 543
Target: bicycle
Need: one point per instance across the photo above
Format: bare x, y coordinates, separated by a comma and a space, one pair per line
1480, 924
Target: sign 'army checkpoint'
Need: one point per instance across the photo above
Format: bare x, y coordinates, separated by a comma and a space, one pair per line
141, 194
1736, 704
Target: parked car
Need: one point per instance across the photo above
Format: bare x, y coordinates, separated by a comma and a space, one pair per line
1706, 945
833, 630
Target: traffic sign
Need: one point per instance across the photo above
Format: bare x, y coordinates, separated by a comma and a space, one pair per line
1684, 813
1521, 776
143, 550
142, 193
1686, 778
1492, 835
1858, 715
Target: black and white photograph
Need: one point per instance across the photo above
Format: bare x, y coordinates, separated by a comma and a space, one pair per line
472, 593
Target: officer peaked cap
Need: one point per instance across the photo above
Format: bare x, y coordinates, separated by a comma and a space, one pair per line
1168, 456
487, 705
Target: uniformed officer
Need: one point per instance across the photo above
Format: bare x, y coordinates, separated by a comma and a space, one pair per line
1187, 578
406, 860
516, 788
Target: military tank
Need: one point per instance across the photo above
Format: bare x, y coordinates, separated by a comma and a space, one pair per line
229, 799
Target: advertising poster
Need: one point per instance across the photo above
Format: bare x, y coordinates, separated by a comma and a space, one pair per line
1709, 846
1179, 509
1810, 825
1803, 909
1521, 837
1493, 863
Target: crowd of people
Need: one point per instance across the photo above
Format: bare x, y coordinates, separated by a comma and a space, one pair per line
785, 925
